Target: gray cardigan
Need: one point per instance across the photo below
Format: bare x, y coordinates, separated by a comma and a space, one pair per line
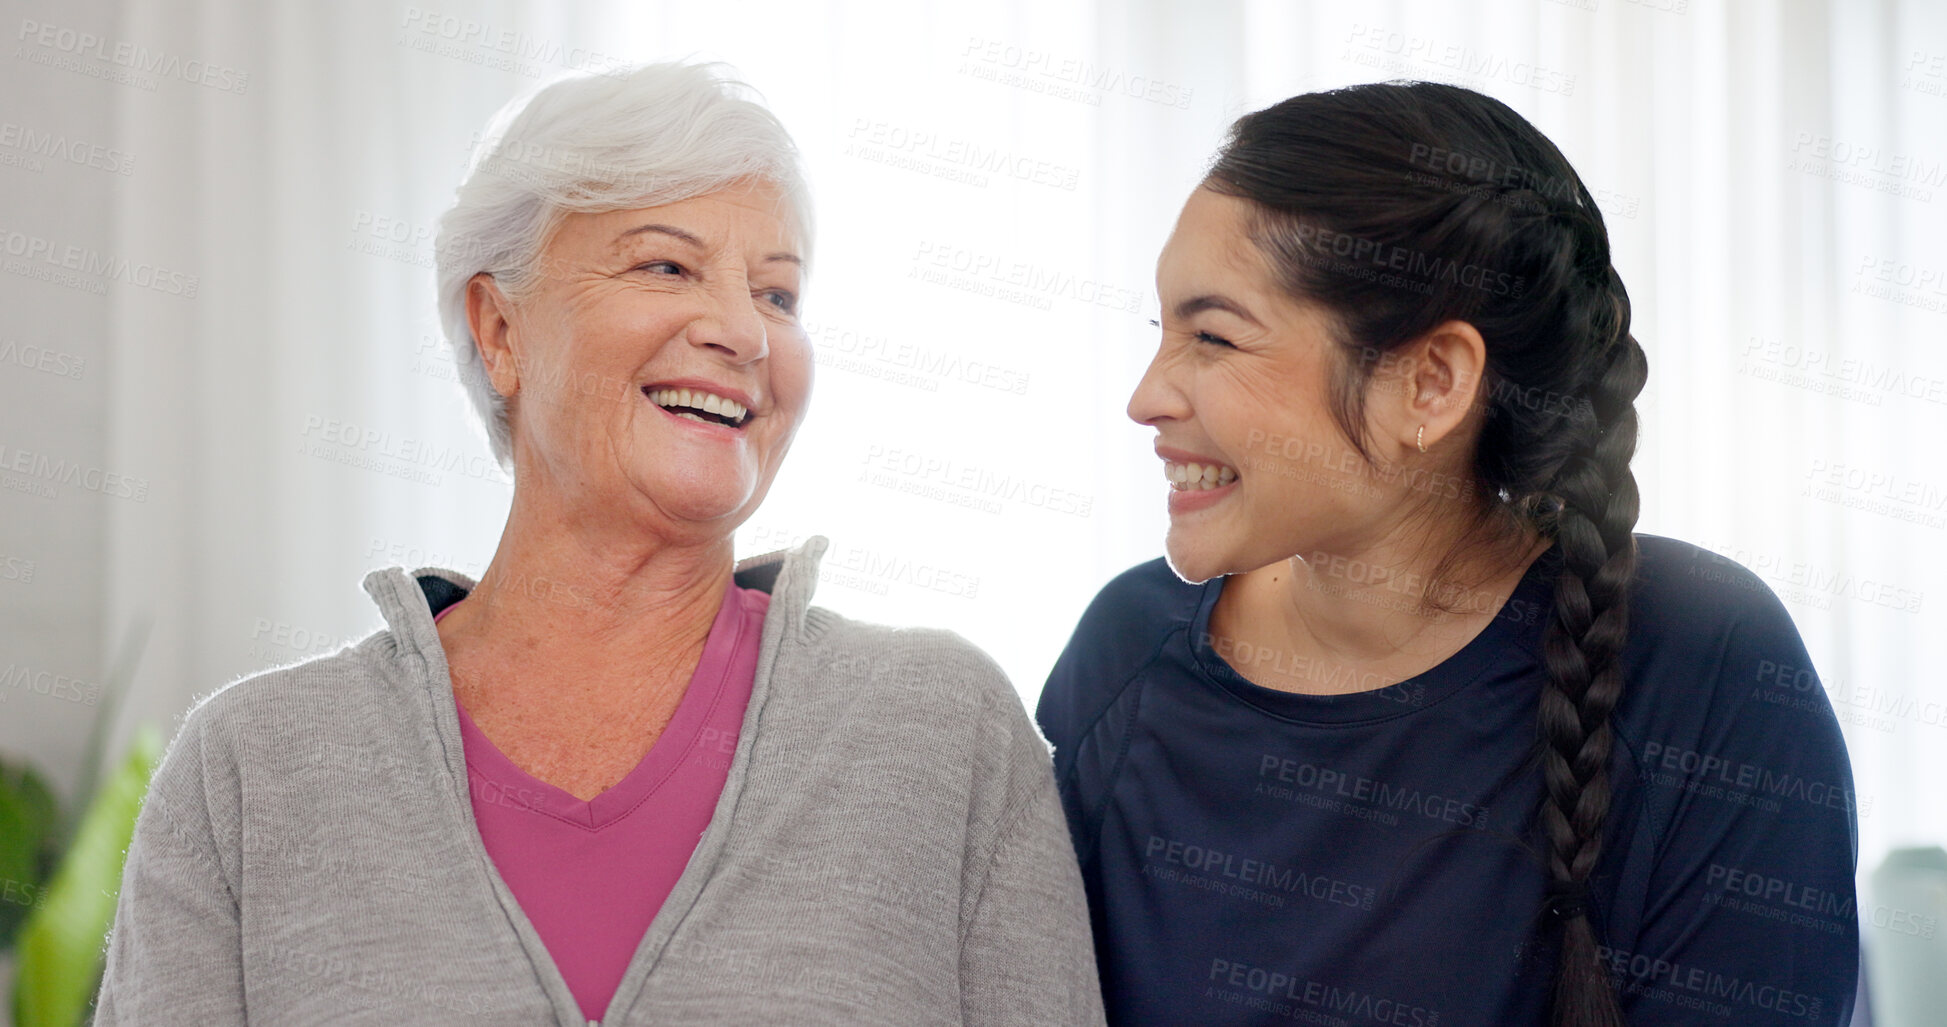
889, 849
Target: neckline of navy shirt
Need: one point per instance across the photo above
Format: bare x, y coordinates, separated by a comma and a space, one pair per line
1488, 649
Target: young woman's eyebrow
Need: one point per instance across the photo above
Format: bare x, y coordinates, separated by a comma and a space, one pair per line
1213, 301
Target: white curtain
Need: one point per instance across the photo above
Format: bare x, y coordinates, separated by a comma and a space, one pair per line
993, 182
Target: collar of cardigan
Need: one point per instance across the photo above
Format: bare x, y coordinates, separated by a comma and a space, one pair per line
409, 599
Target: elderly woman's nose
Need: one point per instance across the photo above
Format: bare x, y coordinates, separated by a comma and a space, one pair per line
732, 324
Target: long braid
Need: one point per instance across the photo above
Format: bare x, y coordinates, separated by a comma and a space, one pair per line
1594, 525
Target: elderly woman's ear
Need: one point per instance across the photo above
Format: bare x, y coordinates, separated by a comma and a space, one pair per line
487, 313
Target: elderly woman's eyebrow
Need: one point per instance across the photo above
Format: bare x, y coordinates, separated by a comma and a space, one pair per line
1213, 301
689, 237
670, 230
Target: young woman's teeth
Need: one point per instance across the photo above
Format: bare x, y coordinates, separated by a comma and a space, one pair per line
1195, 477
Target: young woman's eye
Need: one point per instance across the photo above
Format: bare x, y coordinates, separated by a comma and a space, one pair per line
1215, 340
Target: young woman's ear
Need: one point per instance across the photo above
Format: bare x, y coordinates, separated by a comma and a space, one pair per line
1424, 391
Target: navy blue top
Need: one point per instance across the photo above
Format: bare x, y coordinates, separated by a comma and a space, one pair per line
1257, 856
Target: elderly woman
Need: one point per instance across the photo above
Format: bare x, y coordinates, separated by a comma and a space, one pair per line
618, 778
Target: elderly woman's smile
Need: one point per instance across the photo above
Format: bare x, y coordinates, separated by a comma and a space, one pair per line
695, 402
687, 314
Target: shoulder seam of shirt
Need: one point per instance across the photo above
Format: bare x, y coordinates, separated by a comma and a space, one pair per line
1631, 751
1011, 817
193, 843
1093, 829
1092, 826
1116, 696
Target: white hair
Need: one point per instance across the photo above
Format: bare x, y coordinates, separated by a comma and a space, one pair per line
655, 134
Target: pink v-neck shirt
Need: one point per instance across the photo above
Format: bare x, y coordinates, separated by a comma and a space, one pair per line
591, 875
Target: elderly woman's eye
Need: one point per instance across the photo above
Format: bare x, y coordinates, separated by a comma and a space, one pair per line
782, 300
672, 268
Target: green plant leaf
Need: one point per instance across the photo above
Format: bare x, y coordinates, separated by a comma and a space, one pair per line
60, 946
29, 823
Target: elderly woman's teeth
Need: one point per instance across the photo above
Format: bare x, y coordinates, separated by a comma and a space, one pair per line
1193, 477
697, 405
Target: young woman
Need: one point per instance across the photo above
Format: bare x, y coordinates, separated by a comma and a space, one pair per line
1413, 728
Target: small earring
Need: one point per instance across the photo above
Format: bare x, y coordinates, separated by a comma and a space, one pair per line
1420, 438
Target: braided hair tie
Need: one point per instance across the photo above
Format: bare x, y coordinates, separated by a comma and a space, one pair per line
1567, 899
